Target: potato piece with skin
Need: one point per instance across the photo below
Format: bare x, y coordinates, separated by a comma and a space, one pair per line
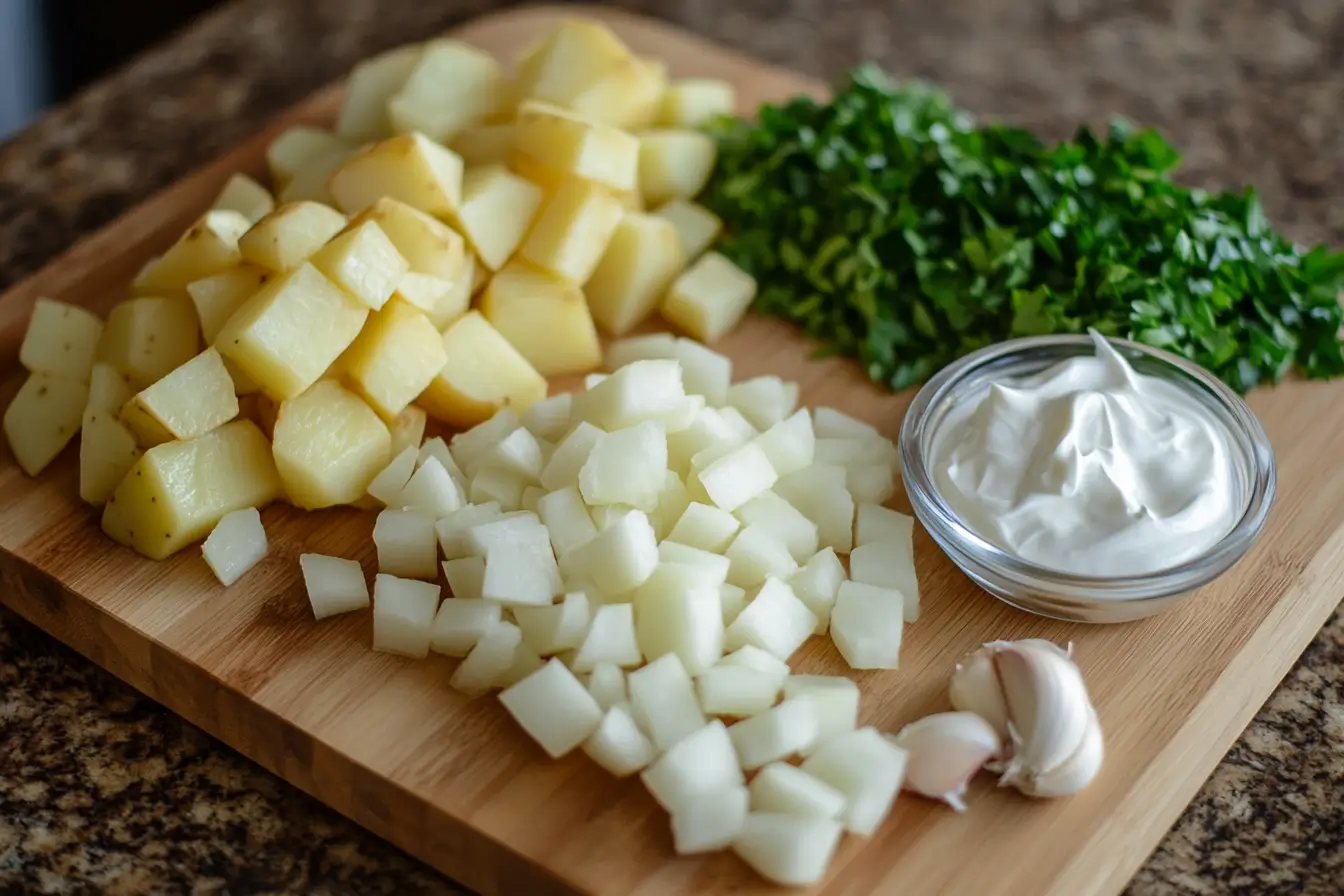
573, 230
435, 252
297, 147
43, 417
362, 261
674, 164
372, 82
451, 86
697, 227
108, 388
577, 146
710, 297
245, 196
497, 210
410, 168
287, 335
691, 102
544, 317
146, 338
628, 96
310, 183
483, 374
209, 246
289, 236
484, 144
61, 339
107, 451
574, 57
178, 491
189, 402
328, 447
394, 359
642, 259
217, 297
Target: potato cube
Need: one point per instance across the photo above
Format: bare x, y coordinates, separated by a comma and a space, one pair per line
146, 338
435, 252
410, 168
627, 96
189, 402
642, 259
406, 544
395, 358
544, 317
288, 334
334, 585
217, 297
108, 389
310, 183
408, 429
484, 144
328, 446
574, 57
43, 417
497, 209
577, 146
107, 451
697, 227
61, 339
483, 374
692, 102
453, 85
364, 262
209, 246
674, 164
177, 492
372, 82
288, 153
573, 230
235, 545
709, 298
289, 236
245, 196
403, 615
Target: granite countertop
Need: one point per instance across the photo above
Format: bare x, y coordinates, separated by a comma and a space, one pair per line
103, 791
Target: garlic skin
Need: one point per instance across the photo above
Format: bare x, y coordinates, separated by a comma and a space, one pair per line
1077, 771
944, 751
975, 688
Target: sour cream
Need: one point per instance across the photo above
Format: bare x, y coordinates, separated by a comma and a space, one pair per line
1089, 467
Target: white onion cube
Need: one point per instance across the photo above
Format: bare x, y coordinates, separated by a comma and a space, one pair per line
740, 428
888, 564
628, 466
781, 519
403, 615
388, 484
518, 453
639, 391
702, 762
752, 657
235, 545
465, 576
791, 850
817, 584
684, 619
607, 685
618, 745
705, 527
707, 430
703, 370
834, 424
866, 625
789, 445
470, 447
489, 661
334, 585
775, 621
620, 558
871, 483
461, 623
406, 544
431, 491
553, 708
567, 520
819, 493
710, 821
569, 457
672, 503
437, 448
736, 691
763, 400
549, 418
834, 697
867, 768
711, 568
610, 639
521, 576
732, 599
662, 699
525, 662
787, 789
454, 530
496, 484
781, 731
757, 554
549, 630
737, 477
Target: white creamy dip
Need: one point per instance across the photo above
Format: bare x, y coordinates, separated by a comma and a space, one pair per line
1089, 467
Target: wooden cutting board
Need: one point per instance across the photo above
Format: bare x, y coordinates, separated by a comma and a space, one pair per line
456, 783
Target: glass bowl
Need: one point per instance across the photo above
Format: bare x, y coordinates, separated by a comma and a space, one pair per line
1062, 595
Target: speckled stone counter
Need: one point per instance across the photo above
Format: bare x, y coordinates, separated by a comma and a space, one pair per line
102, 791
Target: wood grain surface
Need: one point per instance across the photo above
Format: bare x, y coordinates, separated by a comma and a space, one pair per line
456, 783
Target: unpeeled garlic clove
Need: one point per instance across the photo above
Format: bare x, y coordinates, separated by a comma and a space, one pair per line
945, 750
975, 688
1075, 773
1047, 706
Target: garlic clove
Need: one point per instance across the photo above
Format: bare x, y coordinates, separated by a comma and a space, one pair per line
1075, 773
1047, 704
945, 750
975, 688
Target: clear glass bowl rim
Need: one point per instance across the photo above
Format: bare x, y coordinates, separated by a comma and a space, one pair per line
1248, 438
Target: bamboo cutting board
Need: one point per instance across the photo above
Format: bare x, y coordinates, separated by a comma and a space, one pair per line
457, 784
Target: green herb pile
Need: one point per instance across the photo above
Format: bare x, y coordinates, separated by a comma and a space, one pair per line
892, 228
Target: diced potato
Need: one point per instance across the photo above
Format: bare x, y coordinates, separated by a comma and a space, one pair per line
551, 629
576, 146
732, 600
544, 317
403, 615
496, 211
289, 236
146, 338
209, 246
574, 57
554, 708
372, 82
709, 298
406, 544
107, 451
395, 358
328, 446
452, 86
217, 297
310, 183
296, 148
189, 402
888, 563
61, 340
674, 164
662, 700
642, 259
484, 144
692, 102
334, 585
737, 477
43, 417
108, 389
628, 96
697, 227
363, 262
235, 545
607, 685
573, 230
620, 558
483, 374
408, 429
177, 492
410, 168
245, 196
261, 410
288, 334
387, 486
435, 252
